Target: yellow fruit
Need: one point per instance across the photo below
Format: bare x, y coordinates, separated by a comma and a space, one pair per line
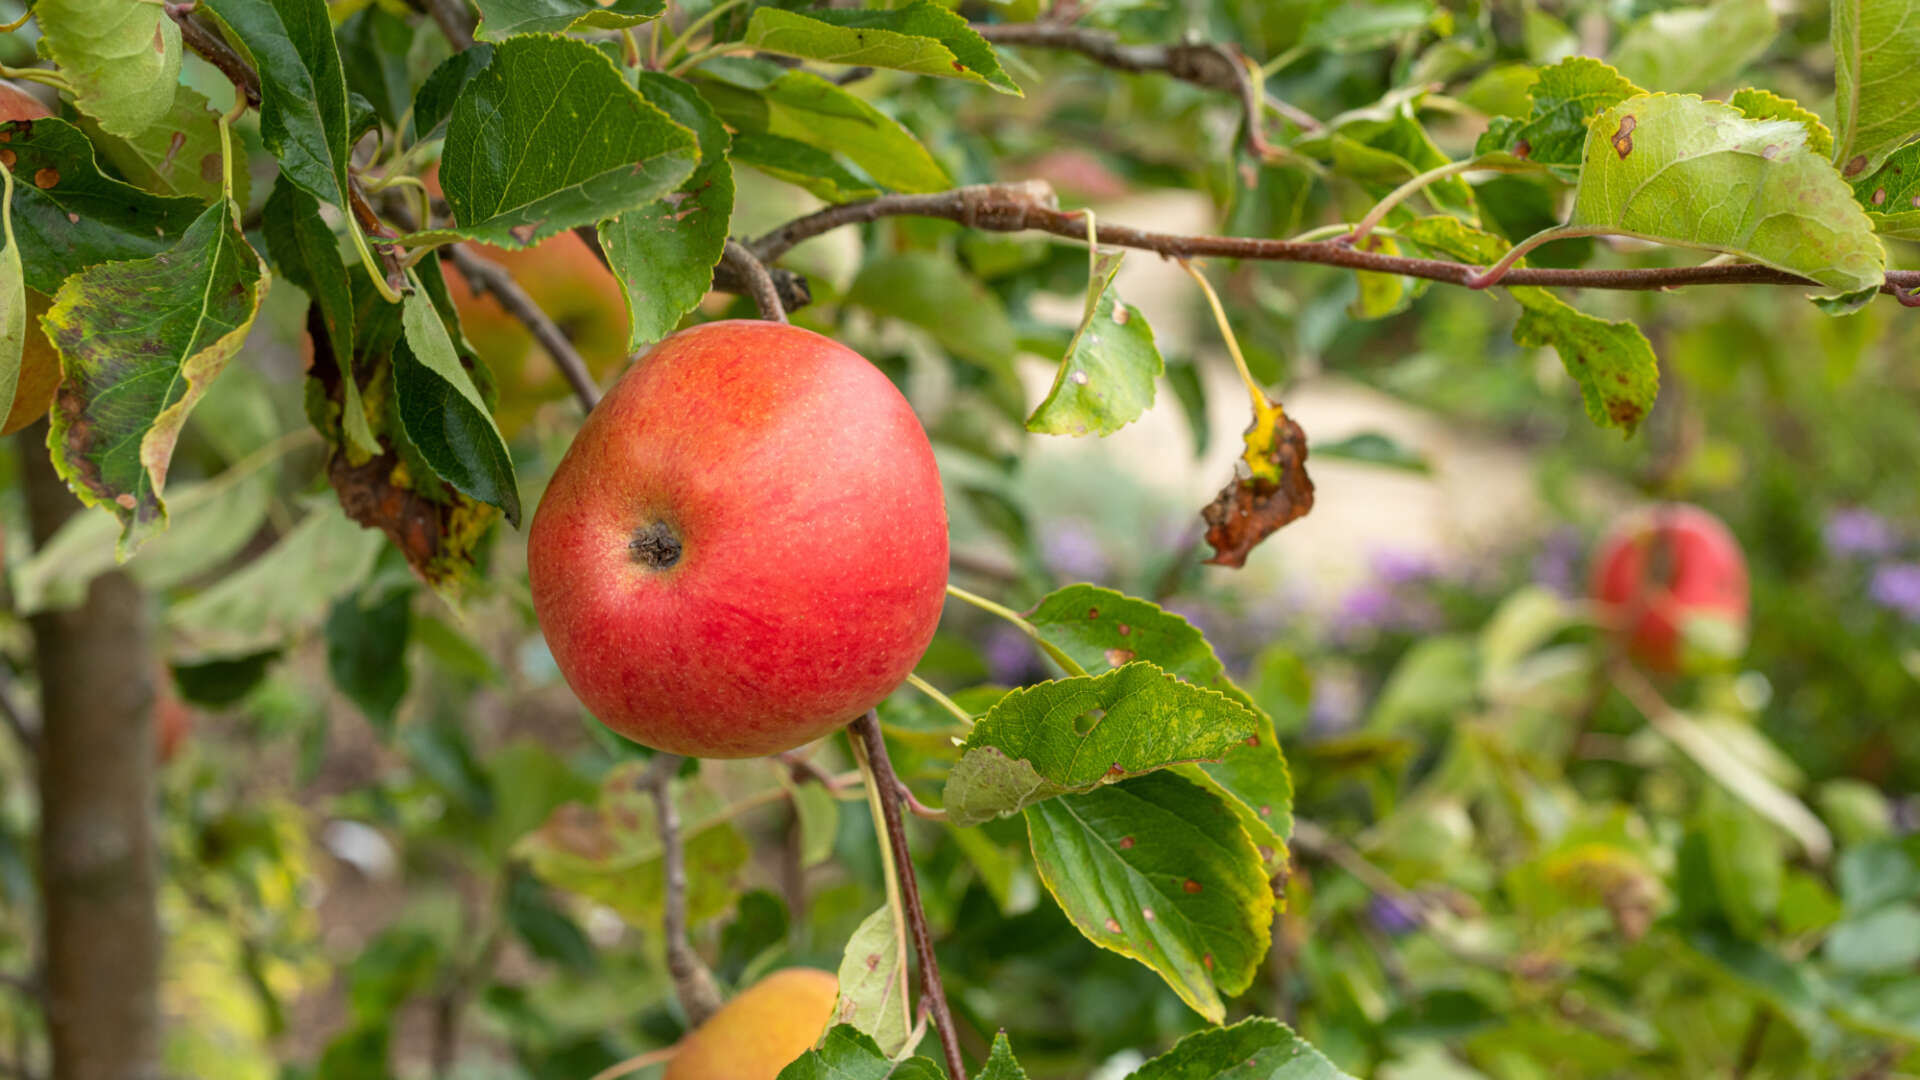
761, 1030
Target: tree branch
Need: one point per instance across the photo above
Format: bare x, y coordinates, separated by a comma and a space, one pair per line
486, 275
753, 273
867, 730
1032, 205
214, 49
692, 982
1203, 63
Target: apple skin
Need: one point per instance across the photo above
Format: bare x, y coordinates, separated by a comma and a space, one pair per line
761, 1031
746, 545
1659, 568
39, 363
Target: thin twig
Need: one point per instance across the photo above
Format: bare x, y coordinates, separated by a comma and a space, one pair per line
1202, 63
915, 806
1031, 205
486, 275
759, 283
214, 49
692, 983
867, 730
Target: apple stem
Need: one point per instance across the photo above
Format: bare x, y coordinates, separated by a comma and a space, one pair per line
887, 783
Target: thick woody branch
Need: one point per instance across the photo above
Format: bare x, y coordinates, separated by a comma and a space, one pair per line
1203, 63
753, 274
692, 983
933, 992
1031, 206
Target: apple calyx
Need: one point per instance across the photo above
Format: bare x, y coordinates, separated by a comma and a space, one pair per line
655, 546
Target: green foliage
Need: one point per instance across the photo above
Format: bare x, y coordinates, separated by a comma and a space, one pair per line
1107, 378
123, 63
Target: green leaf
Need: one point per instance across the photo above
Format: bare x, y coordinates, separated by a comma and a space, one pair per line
806, 108
847, 1053
304, 250
68, 215
611, 853
1158, 869
664, 252
1611, 361
1757, 104
1369, 24
122, 60
550, 136
443, 413
13, 303
1745, 857
1000, 1061
1893, 191
1253, 1049
139, 342
1694, 49
1101, 628
366, 651
807, 167
433, 104
873, 983
1696, 173
1374, 448
278, 595
921, 37
818, 816
1079, 733
1876, 48
503, 18
1107, 378
1883, 941
180, 155
550, 933
1565, 97
379, 57
933, 293
304, 118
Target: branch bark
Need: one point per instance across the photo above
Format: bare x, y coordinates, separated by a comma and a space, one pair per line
485, 275
1208, 64
1032, 205
753, 274
692, 983
934, 994
98, 872
214, 49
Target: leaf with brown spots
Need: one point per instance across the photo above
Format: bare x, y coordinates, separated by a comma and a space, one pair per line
873, 983
1700, 174
1189, 898
1876, 48
1107, 378
123, 59
1273, 490
139, 342
85, 217
1565, 97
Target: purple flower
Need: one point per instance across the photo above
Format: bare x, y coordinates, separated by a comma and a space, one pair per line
1404, 567
1391, 916
1072, 549
1009, 655
1378, 607
1896, 587
1558, 565
1859, 533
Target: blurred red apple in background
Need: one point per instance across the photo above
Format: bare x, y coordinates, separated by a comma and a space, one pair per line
746, 545
39, 364
1672, 583
570, 283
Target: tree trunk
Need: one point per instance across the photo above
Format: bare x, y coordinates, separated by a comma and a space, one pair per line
98, 873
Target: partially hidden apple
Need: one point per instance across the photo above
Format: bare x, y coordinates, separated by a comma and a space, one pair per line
761, 1031
746, 545
1672, 584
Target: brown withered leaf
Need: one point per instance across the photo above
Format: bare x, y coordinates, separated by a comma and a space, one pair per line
434, 526
1274, 490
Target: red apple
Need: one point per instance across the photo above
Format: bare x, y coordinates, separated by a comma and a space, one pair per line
1671, 576
746, 545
